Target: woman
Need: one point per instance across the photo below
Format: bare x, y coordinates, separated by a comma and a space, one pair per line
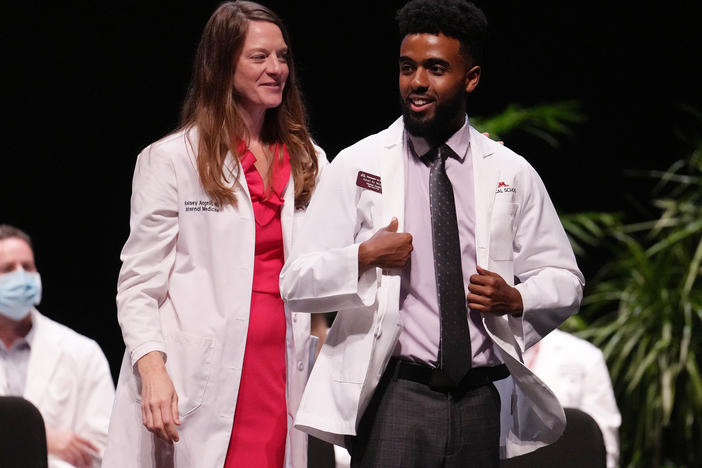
214, 366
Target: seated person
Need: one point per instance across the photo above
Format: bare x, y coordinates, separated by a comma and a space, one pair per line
576, 372
64, 374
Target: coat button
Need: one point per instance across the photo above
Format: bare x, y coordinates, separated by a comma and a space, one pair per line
300, 366
294, 317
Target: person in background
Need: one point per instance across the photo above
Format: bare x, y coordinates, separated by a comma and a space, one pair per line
64, 374
576, 371
415, 236
215, 364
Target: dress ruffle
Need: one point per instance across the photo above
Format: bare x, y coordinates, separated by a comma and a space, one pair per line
269, 201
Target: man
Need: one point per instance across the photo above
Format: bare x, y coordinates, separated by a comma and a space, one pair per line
415, 236
65, 375
576, 371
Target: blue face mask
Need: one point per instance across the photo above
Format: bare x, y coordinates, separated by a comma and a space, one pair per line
19, 291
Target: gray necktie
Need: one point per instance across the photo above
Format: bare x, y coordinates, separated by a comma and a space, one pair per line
454, 349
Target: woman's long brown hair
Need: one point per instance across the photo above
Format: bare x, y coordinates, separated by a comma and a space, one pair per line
211, 107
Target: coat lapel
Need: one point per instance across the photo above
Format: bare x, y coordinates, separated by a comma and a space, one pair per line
486, 174
392, 175
231, 168
43, 361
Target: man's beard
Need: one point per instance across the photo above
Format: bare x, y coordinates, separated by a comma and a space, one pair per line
438, 129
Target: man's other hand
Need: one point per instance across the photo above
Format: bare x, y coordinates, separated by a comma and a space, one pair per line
489, 293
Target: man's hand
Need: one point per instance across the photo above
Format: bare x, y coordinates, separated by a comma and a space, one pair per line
70, 447
159, 401
386, 249
490, 293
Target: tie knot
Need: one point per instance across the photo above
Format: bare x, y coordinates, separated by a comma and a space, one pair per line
437, 153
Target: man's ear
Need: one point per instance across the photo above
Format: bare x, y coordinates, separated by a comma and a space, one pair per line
472, 78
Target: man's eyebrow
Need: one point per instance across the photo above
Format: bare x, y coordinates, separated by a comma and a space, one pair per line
404, 58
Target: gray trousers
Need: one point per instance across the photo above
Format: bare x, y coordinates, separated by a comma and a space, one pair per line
407, 424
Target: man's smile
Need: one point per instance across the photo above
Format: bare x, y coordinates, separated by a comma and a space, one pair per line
419, 103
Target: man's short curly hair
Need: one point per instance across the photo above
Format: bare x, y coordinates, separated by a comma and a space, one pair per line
458, 19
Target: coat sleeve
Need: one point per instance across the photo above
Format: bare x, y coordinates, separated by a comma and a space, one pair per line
149, 253
551, 285
97, 393
322, 273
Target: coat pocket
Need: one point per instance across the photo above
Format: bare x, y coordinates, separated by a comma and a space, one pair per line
502, 230
189, 364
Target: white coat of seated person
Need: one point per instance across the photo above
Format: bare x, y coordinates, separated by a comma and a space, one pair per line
576, 371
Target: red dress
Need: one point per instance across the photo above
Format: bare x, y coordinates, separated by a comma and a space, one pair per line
260, 420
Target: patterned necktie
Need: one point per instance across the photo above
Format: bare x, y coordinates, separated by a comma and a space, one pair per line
454, 349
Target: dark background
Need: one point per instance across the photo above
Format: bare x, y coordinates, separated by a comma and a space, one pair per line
88, 85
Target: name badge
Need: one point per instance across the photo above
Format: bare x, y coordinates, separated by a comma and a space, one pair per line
369, 181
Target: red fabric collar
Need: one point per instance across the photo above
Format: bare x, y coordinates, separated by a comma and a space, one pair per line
266, 203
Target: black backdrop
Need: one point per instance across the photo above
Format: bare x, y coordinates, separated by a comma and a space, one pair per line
88, 84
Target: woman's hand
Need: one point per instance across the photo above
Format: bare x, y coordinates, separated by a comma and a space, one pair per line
159, 401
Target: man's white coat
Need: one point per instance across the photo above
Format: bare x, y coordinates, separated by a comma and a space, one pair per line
69, 381
518, 234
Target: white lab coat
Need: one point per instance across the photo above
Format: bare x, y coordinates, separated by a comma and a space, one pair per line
517, 233
576, 371
69, 381
185, 290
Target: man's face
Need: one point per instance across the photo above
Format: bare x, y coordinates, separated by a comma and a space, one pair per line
14, 254
434, 80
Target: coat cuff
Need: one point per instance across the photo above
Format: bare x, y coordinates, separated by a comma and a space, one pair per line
145, 348
367, 282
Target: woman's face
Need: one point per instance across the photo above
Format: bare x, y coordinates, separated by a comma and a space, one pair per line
262, 67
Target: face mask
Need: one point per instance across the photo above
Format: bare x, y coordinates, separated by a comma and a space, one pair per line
19, 291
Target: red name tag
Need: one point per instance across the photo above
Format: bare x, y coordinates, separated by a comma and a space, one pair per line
369, 181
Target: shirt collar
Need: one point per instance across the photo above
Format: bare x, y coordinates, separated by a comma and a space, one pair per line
459, 142
22, 341
19, 343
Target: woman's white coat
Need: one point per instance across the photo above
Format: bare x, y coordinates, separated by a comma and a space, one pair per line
185, 290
